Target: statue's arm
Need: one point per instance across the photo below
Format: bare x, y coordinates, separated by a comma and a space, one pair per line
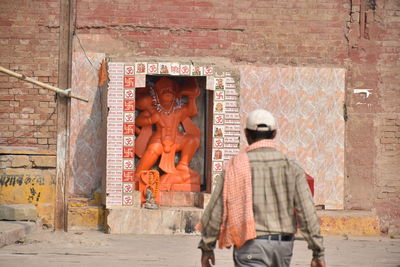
192, 91
144, 119
191, 106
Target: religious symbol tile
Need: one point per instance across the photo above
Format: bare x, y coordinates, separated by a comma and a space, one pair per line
165, 68
185, 69
218, 131
219, 107
127, 200
218, 142
129, 117
219, 119
175, 69
129, 105
152, 68
208, 70
219, 83
129, 94
196, 70
128, 152
128, 176
218, 154
129, 70
217, 166
128, 164
129, 140
141, 67
129, 81
127, 188
129, 129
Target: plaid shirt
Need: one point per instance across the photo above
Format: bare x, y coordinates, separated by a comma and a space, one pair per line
279, 187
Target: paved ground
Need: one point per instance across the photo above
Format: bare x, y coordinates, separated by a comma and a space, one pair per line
97, 249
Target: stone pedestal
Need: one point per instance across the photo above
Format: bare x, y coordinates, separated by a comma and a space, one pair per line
179, 213
166, 220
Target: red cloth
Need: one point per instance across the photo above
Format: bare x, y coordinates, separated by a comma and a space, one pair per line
310, 182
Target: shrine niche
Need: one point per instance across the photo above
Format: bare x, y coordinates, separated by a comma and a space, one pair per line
161, 106
174, 121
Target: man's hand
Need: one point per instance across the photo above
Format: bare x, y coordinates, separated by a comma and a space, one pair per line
318, 263
206, 257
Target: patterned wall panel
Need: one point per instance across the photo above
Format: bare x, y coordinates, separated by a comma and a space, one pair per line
308, 105
86, 138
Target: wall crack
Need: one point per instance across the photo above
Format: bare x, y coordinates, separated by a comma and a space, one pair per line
151, 28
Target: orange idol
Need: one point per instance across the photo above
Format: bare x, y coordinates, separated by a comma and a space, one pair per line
162, 106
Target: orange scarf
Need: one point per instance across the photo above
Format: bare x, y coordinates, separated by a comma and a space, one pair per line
238, 224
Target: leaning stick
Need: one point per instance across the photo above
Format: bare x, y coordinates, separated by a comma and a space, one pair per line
43, 85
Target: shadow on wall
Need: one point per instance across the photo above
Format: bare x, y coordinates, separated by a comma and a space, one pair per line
89, 160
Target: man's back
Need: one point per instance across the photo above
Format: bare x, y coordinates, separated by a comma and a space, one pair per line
274, 180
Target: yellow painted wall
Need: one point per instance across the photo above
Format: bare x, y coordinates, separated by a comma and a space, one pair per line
351, 224
29, 180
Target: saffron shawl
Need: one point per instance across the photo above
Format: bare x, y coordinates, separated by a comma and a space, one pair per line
238, 225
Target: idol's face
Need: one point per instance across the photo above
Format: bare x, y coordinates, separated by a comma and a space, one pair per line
166, 94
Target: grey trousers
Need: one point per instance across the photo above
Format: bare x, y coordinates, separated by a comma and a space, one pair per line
264, 253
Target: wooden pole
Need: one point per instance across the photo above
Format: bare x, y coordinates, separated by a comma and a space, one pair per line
63, 117
43, 85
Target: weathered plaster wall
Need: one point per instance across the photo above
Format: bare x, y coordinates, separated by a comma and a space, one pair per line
87, 132
27, 176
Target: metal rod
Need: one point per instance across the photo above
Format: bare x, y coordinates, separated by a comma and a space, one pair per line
43, 85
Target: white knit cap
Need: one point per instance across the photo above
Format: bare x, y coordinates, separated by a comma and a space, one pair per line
260, 120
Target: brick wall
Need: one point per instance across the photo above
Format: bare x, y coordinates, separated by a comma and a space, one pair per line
387, 190
271, 32
372, 149
28, 45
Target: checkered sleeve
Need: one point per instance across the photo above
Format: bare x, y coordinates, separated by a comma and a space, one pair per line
304, 204
212, 218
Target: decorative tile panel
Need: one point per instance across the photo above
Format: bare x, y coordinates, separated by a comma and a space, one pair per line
128, 150
308, 106
115, 128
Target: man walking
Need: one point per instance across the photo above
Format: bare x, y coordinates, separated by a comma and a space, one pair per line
254, 204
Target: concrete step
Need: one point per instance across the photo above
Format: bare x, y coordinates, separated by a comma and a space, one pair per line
349, 222
182, 220
85, 214
18, 212
12, 231
165, 220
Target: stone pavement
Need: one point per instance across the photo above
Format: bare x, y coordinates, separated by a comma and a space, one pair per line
47, 248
